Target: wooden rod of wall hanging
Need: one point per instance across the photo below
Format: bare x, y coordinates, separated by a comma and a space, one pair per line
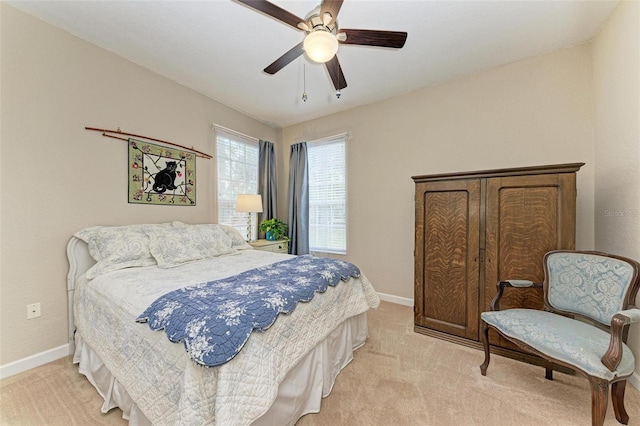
120, 132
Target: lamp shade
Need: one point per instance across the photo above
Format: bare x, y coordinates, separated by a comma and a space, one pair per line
251, 203
320, 46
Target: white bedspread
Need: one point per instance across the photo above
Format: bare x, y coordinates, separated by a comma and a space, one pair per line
159, 376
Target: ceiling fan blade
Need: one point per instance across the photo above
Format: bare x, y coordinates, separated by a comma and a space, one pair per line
273, 11
332, 7
285, 59
393, 39
335, 71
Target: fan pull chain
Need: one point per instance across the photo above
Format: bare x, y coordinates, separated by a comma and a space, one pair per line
304, 82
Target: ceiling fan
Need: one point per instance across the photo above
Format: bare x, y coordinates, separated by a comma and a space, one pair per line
323, 37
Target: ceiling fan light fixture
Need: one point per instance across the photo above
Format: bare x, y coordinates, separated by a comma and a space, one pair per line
320, 46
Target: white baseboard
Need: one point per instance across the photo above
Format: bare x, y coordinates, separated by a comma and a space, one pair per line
33, 361
396, 299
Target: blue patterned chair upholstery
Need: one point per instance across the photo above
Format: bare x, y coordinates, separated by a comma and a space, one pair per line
578, 286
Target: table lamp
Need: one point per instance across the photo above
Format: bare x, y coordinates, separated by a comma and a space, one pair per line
249, 203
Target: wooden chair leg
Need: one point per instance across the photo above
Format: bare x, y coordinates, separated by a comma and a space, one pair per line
548, 370
617, 398
484, 335
599, 396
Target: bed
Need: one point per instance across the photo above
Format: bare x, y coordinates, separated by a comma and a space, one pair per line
280, 374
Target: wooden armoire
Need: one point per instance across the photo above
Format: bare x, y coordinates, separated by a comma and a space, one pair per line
474, 229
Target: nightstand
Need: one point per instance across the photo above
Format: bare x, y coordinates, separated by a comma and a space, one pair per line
281, 246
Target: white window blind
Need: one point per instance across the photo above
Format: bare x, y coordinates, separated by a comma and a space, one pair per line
328, 195
237, 158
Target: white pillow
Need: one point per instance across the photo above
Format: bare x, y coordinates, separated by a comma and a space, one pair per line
237, 240
177, 245
118, 247
87, 233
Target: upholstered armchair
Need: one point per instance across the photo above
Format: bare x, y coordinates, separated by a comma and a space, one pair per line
579, 287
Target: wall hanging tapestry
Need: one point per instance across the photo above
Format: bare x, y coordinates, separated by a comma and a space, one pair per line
161, 175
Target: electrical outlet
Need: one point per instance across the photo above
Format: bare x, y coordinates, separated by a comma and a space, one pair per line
33, 310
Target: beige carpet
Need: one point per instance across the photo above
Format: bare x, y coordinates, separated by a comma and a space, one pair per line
398, 378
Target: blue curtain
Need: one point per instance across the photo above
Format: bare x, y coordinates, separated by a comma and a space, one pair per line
298, 203
267, 180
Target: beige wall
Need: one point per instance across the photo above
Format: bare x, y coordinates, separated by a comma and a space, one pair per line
58, 178
537, 111
616, 71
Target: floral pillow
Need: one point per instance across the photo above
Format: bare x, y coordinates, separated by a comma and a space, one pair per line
176, 245
87, 234
118, 247
237, 240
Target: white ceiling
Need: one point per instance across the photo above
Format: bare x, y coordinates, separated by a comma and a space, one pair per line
219, 48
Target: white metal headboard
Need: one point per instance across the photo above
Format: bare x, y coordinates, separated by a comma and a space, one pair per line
79, 262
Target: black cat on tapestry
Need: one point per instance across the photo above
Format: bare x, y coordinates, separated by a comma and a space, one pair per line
165, 179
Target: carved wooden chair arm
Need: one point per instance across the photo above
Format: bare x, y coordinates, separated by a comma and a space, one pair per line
495, 303
612, 357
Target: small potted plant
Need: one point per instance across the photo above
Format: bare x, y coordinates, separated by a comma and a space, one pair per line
274, 229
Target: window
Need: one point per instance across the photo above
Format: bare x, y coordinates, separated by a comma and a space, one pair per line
328, 195
237, 174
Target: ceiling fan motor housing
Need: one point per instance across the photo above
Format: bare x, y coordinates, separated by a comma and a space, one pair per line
316, 22
320, 43
321, 24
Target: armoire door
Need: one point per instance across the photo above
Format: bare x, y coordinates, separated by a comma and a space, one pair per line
447, 256
526, 216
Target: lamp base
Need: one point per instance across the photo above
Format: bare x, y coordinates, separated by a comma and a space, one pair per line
249, 227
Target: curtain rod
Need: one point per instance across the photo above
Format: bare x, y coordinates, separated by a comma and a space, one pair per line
302, 138
120, 132
226, 129
345, 135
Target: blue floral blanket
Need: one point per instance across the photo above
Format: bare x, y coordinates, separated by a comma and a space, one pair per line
215, 319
